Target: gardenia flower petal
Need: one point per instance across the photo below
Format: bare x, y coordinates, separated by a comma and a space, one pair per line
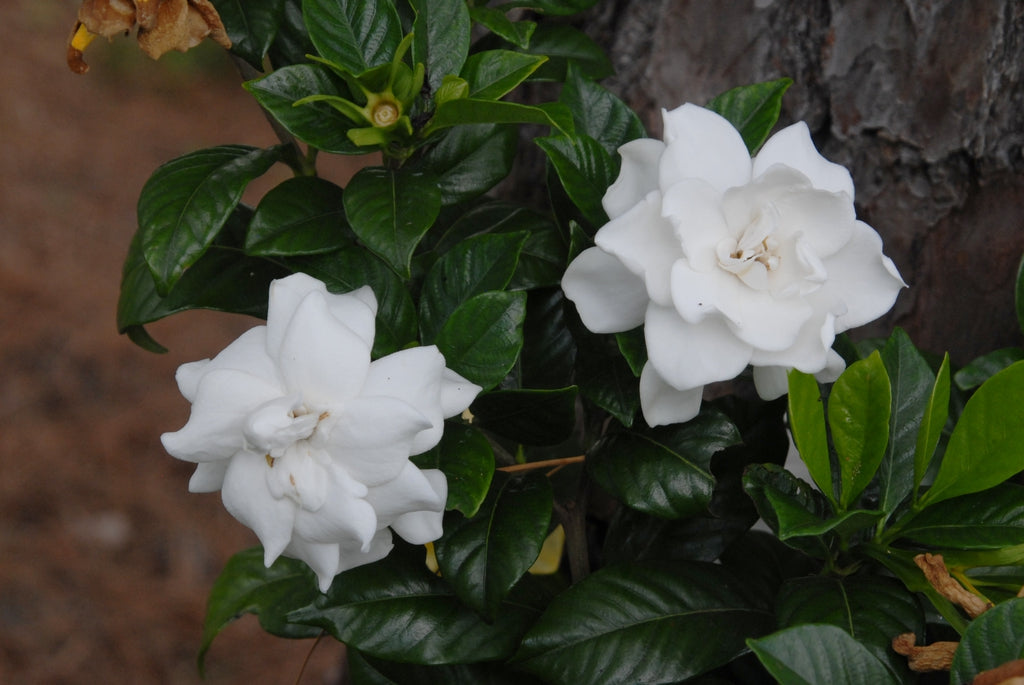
741, 261
309, 441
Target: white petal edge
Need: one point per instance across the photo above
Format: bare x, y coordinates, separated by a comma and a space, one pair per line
421, 527
608, 296
688, 355
793, 147
638, 175
246, 497
702, 144
662, 404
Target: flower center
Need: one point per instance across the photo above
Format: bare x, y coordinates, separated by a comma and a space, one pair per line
756, 253
385, 113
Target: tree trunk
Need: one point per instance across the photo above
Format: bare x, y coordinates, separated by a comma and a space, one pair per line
922, 100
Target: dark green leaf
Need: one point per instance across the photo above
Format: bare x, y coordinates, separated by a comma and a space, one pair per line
302, 215
604, 377
251, 26
665, 472
475, 265
530, 417
807, 422
246, 586
991, 640
644, 623
516, 32
482, 338
813, 654
354, 34
354, 267
635, 536
753, 110
187, 201
397, 609
564, 45
634, 349
476, 111
493, 73
992, 519
787, 503
985, 366
369, 671
553, 7
469, 160
934, 420
585, 169
467, 460
858, 417
598, 113
292, 43
987, 445
1018, 294
549, 351
316, 123
390, 211
484, 556
440, 37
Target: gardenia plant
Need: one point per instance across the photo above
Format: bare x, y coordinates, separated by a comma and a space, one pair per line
423, 372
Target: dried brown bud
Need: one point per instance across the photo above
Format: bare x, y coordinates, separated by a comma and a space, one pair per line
937, 656
1010, 673
935, 571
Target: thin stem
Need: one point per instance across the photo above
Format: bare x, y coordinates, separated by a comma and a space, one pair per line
547, 463
309, 655
574, 519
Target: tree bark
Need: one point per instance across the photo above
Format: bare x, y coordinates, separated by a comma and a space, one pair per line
922, 100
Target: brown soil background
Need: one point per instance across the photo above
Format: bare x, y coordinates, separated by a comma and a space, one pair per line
105, 557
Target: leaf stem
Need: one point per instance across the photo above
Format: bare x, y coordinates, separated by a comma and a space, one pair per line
547, 463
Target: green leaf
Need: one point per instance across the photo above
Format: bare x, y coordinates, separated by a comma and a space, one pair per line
474, 266
911, 382
251, 26
991, 640
482, 338
292, 43
635, 536
187, 201
467, 460
516, 32
644, 623
354, 267
753, 110
665, 472
987, 445
858, 417
469, 160
369, 671
529, 417
493, 73
585, 169
397, 609
807, 421
604, 377
476, 111
549, 350
985, 366
246, 586
598, 113
812, 654
934, 420
566, 45
788, 504
873, 610
316, 123
633, 346
993, 519
302, 215
440, 37
354, 34
484, 556
796, 522
1018, 294
553, 7
390, 211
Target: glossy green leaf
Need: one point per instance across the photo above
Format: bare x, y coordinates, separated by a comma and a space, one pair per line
497, 22
366, 670
565, 45
246, 586
390, 211
807, 422
549, 350
292, 43
871, 609
354, 267
553, 7
482, 338
645, 623
600, 114
468, 161
667, 471
987, 445
187, 201
477, 111
812, 654
397, 609
991, 640
635, 536
493, 73
795, 522
934, 420
354, 34
302, 215
858, 418
315, 123
787, 503
585, 170
529, 417
476, 265
604, 377
753, 110
984, 367
911, 383
633, 346
467, 460
484, 556
992, 519
440, 37
251, 26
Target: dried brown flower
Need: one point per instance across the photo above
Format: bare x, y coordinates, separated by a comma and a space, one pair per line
1010, 673
935, 571
937, 656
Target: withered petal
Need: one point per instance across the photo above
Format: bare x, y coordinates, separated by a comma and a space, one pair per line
107, 18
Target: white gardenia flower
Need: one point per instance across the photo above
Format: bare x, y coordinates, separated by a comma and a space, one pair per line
729, 261
309, 441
